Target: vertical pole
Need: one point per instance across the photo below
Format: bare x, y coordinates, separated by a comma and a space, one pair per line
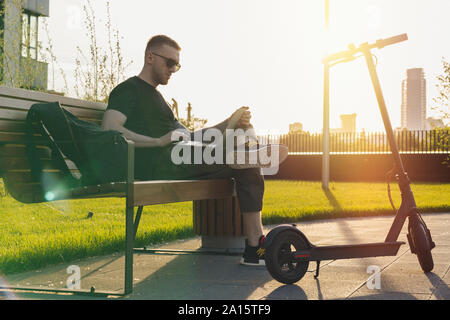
326, 110
129, 241
129, 220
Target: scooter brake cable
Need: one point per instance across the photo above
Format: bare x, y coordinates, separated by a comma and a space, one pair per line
376, 60
390, 198
389, 175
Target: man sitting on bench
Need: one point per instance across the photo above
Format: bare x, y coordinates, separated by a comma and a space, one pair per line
140, 113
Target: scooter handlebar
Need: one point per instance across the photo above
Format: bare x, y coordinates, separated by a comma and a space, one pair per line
348, 54
393, 40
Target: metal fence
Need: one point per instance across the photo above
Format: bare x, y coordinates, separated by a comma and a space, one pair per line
424, 141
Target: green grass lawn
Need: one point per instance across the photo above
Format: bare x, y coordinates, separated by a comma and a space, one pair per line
287, 201
35, 235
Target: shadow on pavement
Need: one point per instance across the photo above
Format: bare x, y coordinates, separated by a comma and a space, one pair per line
202, 277
386, 296
288, 292
441, 290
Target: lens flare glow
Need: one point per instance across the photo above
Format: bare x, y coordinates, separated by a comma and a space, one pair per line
49, 196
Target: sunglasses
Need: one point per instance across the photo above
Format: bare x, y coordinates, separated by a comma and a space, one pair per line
169, 62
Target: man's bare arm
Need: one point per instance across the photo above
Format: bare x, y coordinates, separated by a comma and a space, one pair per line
243, 122
115, 120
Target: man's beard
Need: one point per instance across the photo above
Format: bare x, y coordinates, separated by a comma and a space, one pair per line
162, 79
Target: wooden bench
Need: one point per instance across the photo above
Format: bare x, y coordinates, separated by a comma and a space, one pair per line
216, 214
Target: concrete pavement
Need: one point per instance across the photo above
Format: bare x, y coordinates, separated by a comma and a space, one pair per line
199, 277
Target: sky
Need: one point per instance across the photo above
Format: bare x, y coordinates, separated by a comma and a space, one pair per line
267, 54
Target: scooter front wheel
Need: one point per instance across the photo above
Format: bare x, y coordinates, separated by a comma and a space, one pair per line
421, 243
279, 262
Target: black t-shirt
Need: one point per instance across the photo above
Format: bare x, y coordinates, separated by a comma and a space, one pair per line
146, 110
147, 114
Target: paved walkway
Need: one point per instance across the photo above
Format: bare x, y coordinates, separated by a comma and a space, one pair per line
195, 277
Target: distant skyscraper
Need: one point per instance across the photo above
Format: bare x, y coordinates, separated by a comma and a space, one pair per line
414, 97
296, 127
348, 122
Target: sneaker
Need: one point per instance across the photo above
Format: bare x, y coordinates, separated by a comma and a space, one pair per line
253, 157
254, 256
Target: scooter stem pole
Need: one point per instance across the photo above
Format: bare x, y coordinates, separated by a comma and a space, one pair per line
384, 114
408, 201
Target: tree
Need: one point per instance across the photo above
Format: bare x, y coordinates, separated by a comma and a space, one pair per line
443, 100
443, 107
190, 122
97, 73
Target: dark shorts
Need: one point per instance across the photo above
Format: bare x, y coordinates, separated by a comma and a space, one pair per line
249, 182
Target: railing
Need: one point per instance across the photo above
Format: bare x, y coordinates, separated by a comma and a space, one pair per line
425, 141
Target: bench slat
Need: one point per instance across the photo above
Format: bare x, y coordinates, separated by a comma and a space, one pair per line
18, 114
10, 104
23, 177
37, 96
19, 151
15, 113
237, 218
228, 207
14, 164
12, 125
8, 164
19, 125
12, 137
35, 193
204, 217
211, 216
156, 192
220, 217
196, 216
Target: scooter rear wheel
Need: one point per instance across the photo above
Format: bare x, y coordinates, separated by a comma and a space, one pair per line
280, 264
421, 243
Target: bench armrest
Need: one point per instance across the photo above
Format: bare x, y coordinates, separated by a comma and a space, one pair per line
130, 173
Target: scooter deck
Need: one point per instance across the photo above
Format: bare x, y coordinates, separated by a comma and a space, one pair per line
351, 251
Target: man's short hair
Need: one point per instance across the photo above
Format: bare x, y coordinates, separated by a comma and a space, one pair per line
159, 40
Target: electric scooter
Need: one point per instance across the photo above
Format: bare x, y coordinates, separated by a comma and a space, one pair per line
288, 251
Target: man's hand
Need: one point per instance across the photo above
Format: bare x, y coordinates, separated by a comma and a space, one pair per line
174, 136
244, 120
175, 107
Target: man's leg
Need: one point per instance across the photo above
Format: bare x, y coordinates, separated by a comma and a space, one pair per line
253, 228
249, 188
250, 191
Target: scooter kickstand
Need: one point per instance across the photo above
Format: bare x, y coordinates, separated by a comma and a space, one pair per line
317, 269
